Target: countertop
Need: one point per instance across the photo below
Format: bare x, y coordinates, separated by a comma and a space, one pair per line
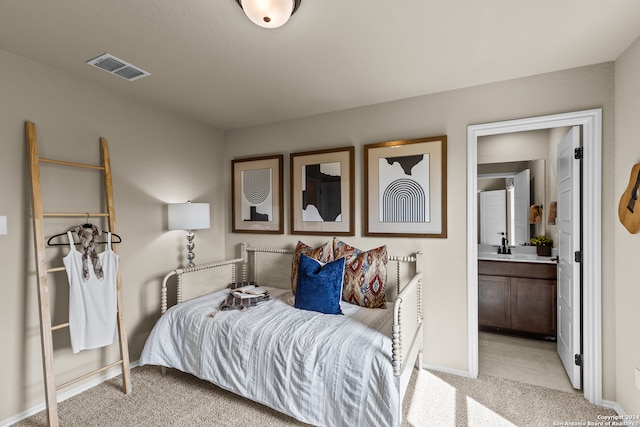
487, 256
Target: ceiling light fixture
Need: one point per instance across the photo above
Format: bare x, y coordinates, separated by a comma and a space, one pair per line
269, 13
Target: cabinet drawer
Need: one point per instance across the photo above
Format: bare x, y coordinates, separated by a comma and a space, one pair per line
530, 270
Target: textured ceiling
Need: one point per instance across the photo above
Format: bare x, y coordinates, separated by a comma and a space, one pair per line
208, 61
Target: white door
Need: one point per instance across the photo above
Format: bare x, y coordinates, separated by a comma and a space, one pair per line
493, 217
568, 221
522, 203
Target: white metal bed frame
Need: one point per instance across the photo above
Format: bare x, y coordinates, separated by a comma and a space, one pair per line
406, 337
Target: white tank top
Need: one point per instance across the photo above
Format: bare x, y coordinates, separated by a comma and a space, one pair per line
92, 303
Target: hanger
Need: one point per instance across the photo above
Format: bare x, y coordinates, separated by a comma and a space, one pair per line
115, 238
87, 225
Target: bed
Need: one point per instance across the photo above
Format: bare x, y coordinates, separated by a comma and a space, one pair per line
322, 369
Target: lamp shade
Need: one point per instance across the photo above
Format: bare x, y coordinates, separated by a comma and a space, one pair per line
189, 216
268, 13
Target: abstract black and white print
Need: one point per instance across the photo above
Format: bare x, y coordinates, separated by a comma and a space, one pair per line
321, 192
404, 189
257, 195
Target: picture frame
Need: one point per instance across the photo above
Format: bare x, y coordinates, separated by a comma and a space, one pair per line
322, 192
406, 188
257, 189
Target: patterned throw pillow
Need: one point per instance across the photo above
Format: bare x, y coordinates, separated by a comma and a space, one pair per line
322, 253
365, 274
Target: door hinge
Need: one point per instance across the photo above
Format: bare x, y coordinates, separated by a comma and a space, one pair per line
577, 153
577, 256
578, 359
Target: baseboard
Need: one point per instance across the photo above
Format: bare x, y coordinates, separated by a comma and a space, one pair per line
623, 420
66, 395
446, 370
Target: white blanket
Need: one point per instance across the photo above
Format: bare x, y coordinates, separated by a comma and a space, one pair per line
326, 370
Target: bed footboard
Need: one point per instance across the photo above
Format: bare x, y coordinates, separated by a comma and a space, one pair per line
407, 331
407, 323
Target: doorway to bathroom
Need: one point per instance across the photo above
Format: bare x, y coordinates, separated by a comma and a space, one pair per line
590, 319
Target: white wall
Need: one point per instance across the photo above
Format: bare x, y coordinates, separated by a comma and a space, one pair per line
446, 113
513, 147
627, 246
156, 156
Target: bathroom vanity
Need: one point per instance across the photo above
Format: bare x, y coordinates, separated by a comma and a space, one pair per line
517, 294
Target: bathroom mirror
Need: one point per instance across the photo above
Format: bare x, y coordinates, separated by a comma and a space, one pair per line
508, 196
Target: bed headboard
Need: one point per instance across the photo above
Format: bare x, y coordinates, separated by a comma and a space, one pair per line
272, 267
193, 282
268, 267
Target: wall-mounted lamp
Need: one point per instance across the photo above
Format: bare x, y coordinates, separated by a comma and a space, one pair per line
269, 13
189, 216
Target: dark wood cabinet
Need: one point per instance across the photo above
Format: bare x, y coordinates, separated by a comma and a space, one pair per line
494, 301
517, 297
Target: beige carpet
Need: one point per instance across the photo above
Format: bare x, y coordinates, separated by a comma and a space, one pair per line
433, 399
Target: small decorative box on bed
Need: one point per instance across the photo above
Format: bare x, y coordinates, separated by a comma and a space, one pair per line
332, 344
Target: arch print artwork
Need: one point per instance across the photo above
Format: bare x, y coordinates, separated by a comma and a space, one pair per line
405, 188
256, 185
256, 195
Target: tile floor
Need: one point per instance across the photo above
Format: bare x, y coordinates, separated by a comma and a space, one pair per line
522, 359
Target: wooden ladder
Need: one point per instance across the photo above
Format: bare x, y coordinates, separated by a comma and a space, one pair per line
46, 328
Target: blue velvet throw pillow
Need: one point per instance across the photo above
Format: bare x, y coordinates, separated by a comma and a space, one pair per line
319, 285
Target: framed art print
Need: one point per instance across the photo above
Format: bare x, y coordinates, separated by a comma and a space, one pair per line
322, 192
406, 188
256, 187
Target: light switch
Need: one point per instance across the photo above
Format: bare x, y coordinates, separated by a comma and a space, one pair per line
3, 225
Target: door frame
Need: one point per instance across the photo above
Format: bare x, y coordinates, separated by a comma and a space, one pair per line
591, 122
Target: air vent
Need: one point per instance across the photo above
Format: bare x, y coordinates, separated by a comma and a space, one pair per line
117, 66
